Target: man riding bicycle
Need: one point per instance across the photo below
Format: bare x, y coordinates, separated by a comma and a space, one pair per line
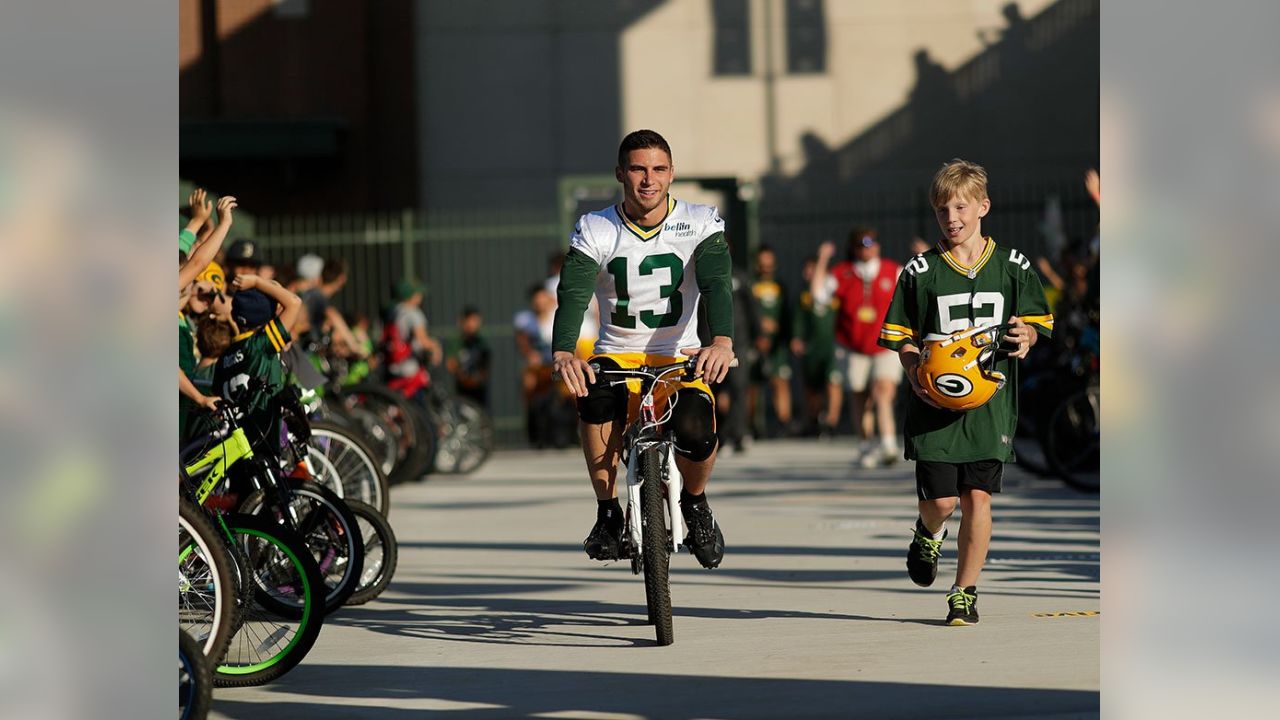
648, 262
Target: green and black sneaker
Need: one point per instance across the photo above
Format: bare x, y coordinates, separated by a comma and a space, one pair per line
922, 556
964, 605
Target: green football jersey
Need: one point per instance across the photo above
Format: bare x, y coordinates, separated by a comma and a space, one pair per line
937, 296
253, 355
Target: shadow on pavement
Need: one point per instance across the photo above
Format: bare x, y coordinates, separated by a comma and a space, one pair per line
483, 613
526, 693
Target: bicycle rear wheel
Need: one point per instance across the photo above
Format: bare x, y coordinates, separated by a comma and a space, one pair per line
657, 545
208, 589
284, 608
380, 553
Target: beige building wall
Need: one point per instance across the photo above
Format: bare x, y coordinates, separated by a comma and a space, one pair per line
718, 125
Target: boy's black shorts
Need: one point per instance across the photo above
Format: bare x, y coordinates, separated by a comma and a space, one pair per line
943, 479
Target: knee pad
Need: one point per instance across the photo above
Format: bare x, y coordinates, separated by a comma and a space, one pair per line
603, 403
693, 421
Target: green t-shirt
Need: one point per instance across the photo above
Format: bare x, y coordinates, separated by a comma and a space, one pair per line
186, 345
254, 355
193, 419
187, 364
816, 325
936, 296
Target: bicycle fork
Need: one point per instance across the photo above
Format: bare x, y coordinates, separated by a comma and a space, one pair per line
674, 483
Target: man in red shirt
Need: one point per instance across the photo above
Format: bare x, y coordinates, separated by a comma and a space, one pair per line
863, 286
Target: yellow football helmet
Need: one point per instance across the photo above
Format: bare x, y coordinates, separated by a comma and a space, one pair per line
956, 373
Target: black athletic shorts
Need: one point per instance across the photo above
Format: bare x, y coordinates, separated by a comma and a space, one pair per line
943, 479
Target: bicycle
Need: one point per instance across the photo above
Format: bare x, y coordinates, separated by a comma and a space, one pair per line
195, 681
466, 436
315, 513
652, 519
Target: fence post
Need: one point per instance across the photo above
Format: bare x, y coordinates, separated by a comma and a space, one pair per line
406, 239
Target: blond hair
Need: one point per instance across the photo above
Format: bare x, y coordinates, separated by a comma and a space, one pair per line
958, 178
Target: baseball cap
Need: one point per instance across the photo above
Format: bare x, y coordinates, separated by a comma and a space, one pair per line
243, 252
310, 266
406, 289
251, 309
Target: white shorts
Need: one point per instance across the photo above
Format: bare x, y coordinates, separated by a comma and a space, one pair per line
855, 369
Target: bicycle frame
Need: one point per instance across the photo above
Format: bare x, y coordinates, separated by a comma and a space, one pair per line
642, 435
219, 459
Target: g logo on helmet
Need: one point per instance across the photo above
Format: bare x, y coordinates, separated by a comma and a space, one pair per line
956, 373
953, 385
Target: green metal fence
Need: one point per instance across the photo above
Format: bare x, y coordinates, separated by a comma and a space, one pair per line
487, 260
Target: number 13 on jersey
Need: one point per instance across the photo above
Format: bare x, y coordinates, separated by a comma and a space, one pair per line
670, 292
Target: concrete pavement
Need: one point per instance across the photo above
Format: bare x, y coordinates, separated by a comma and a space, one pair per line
495, 611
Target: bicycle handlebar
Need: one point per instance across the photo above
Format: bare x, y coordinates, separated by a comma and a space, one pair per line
654, 370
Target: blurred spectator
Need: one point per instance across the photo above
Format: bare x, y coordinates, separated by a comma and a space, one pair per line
469, 357
772, 367
549, 412
814, 345
213, 336
318, 281
243, 257
731, 395
405, 340
864, 288
917, 246
590, 330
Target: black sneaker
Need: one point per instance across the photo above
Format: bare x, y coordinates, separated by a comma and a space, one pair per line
922, 556
964, 606
604, 542
704, 540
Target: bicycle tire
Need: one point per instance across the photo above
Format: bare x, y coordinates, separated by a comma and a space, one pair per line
360, 476
277, 557
465, 444
195, 679
657, 545
381, 553
329, 530
418, 436
208, 581
1073, 441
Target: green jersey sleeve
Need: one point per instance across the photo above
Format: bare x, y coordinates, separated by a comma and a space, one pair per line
713, 268
901, 319
277, 334
577, 283
1032, 308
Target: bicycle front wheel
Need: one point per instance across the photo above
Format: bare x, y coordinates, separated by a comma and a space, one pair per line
344, 464
284, 608
657, 544
380, 553
328, 527
208, 589
466, 436
195, 681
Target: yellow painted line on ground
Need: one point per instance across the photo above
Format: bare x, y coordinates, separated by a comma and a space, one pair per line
1072, 613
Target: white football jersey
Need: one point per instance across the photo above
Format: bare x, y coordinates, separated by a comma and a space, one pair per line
646, 289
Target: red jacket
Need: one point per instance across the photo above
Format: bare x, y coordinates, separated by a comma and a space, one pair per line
856, 328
